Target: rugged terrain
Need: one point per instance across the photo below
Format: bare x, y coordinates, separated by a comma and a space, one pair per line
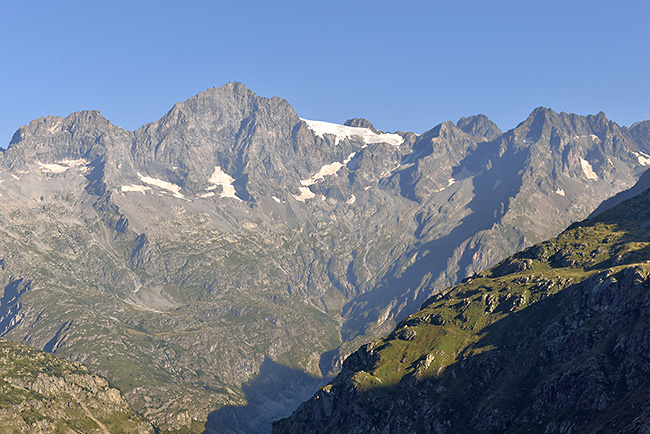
41, 393
232, 249
553, 339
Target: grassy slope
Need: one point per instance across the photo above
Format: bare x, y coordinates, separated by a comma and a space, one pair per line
42, 393
534, 340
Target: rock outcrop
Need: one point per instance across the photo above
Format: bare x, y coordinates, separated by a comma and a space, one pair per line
41, 393
553, 340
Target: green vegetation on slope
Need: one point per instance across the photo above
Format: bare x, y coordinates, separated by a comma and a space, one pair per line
40, 393
551, 339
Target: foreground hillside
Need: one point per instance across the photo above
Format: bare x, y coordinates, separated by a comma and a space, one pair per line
553, 339
231, 254
40, 393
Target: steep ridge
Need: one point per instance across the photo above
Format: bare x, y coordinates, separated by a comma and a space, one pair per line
552, 339
504, 195
232, 239
479, 126
44, 394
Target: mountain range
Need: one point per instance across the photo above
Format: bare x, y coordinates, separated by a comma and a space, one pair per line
552, 339
220, 262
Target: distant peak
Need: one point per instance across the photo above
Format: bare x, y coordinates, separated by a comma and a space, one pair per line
479, 126
234, 85
361, 123
48, 125
541, 111
601, 116
446, 127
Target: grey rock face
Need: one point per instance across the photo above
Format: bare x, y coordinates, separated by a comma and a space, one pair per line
479, 126
361, 123
176, 259
44, 394
560, 349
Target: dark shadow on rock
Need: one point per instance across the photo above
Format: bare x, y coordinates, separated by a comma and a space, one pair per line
272, 395
402, 287
570, 360
326, 363
10, 305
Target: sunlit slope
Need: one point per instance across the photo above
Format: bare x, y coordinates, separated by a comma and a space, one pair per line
552, 339
40, 393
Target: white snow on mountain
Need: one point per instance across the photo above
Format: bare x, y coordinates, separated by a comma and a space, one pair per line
321, 128
63, 166
305, 193
172, 188
327, 170
588, 170
135, 187
644, 159
219, 177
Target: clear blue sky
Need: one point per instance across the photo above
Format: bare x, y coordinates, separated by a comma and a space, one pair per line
403, 65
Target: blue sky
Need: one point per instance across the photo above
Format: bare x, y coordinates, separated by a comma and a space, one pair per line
403, 65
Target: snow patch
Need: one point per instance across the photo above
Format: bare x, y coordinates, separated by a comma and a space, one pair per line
172, 188
208, 194
591, 136
351, 200
327, 170
560, 192
350, 157
321, 128
64, 165
305, 193
219, 177
588, 170
133, 187
643, 158
53, 168
450, 182
276, 199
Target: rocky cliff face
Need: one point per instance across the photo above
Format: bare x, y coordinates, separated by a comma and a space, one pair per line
178, 259
550, 340
43, 394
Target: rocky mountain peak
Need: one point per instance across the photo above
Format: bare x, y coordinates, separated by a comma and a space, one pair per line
479, 126
84, 134
49, 125
538, 120
232, 220
443, 128
43, 124
362, 123
641, 132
